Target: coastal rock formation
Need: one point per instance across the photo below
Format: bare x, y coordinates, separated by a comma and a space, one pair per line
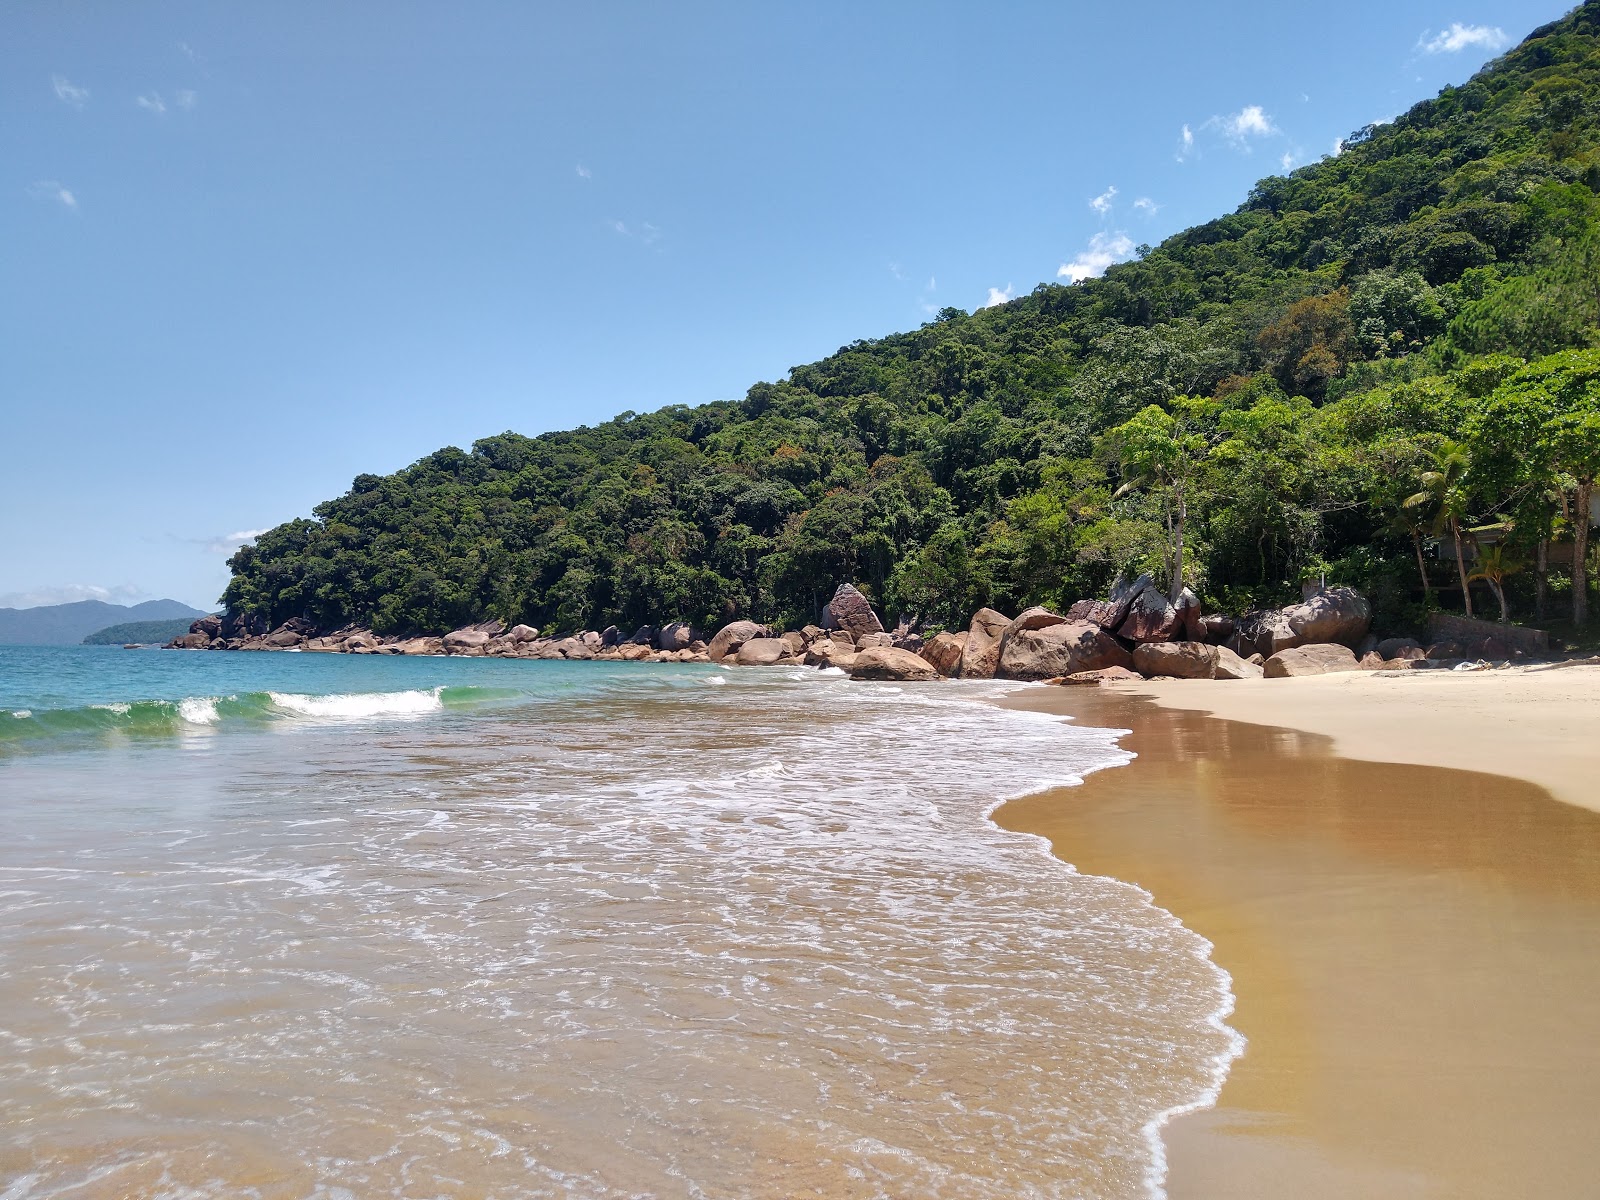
1215, 627
1321, 659
796, 642
943, 652
892, 663
981, 655
1063, 649
866, 641
1338, 614
1182, 660
421, 645
730, 637
1392, 647
457, 641
762, 652
830, 653
849, 610
1151, 618
1187, 606
524, 633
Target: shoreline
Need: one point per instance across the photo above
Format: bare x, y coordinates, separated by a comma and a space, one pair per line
1380, 922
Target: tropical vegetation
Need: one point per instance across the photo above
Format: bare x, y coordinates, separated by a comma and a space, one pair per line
1380, 359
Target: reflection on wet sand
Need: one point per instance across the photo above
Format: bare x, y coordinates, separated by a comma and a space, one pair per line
1415, 953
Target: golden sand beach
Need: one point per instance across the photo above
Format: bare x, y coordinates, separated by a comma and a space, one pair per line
1415, 949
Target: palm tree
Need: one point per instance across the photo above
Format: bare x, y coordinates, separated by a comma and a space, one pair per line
1493, 565
1443, 490
1405, 521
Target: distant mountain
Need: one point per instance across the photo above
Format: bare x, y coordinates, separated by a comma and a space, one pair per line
143, 632
69, 624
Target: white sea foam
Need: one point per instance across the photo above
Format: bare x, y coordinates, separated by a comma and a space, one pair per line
359, 704
198, 710
121, 710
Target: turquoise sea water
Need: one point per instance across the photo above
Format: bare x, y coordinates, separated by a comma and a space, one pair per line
284, 925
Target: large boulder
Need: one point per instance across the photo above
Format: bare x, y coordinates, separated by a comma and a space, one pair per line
1123, 593
633, 652
762, 652
523, 633
1063, 649
610, 636
1214, 627
459, 641
286, 636
675, 636
1151, 618
575, 648
210, 626
1187, 606
195, 640
420, 645
1093, 612
1337, 614
943, 652
849, 610
1323, 658
795, 640
1391, 647
1182, 660
829, 653
981, 655
892, 663
730, 637
1036, 617
645, 635
1103, 675
867, 641
1231, 666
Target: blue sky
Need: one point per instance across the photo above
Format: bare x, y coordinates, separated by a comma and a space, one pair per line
252, 251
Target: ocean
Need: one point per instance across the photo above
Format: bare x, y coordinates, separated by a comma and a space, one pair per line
297, 925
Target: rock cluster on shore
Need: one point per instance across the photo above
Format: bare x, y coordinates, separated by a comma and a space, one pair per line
1137, 632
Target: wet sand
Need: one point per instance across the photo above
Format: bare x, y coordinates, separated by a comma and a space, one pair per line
1415, 952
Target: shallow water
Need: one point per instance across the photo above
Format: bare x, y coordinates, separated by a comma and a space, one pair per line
477, 928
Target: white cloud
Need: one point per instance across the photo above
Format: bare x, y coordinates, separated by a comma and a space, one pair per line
53, 189
645, 233
1250, 121
69, 93
1102, 203
1104, 249
152, 102
1458, 37
71, 593
996, 296
1287, 160
584, 172
187, 99
1185, 143
1147, 206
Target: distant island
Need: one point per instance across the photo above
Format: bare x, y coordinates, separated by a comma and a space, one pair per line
1375, 373
71, 624
140, 632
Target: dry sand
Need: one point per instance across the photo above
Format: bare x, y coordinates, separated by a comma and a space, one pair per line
1415, 951
1542, 725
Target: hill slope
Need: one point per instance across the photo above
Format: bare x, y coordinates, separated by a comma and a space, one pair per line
1341, 325
145, 633
69, 624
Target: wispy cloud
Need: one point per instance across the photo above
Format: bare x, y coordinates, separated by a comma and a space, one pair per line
1287, 160
584, 172
68, 92
72, 593
1185, 143
998, 296
1102, 203
227, 543
54, 189
925, 300
187, 99
1147, 206
152, 102
1458, 37
644, 233
1104, 249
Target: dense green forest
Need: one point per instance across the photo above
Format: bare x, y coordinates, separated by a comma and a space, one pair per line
1376, 360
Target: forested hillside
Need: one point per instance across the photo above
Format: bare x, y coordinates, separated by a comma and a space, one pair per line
1330, 380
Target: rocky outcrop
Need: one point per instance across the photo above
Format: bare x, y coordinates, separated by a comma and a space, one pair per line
796, 642
829, 652
1190, 622
1035, 618
1339, 614
981, 655
1062, 649
762, 652
866, 641
458, 641
1320, 659
1180, 660
850, 610
1214, 627
730, 637
943, 652
892, 663
1392, 647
